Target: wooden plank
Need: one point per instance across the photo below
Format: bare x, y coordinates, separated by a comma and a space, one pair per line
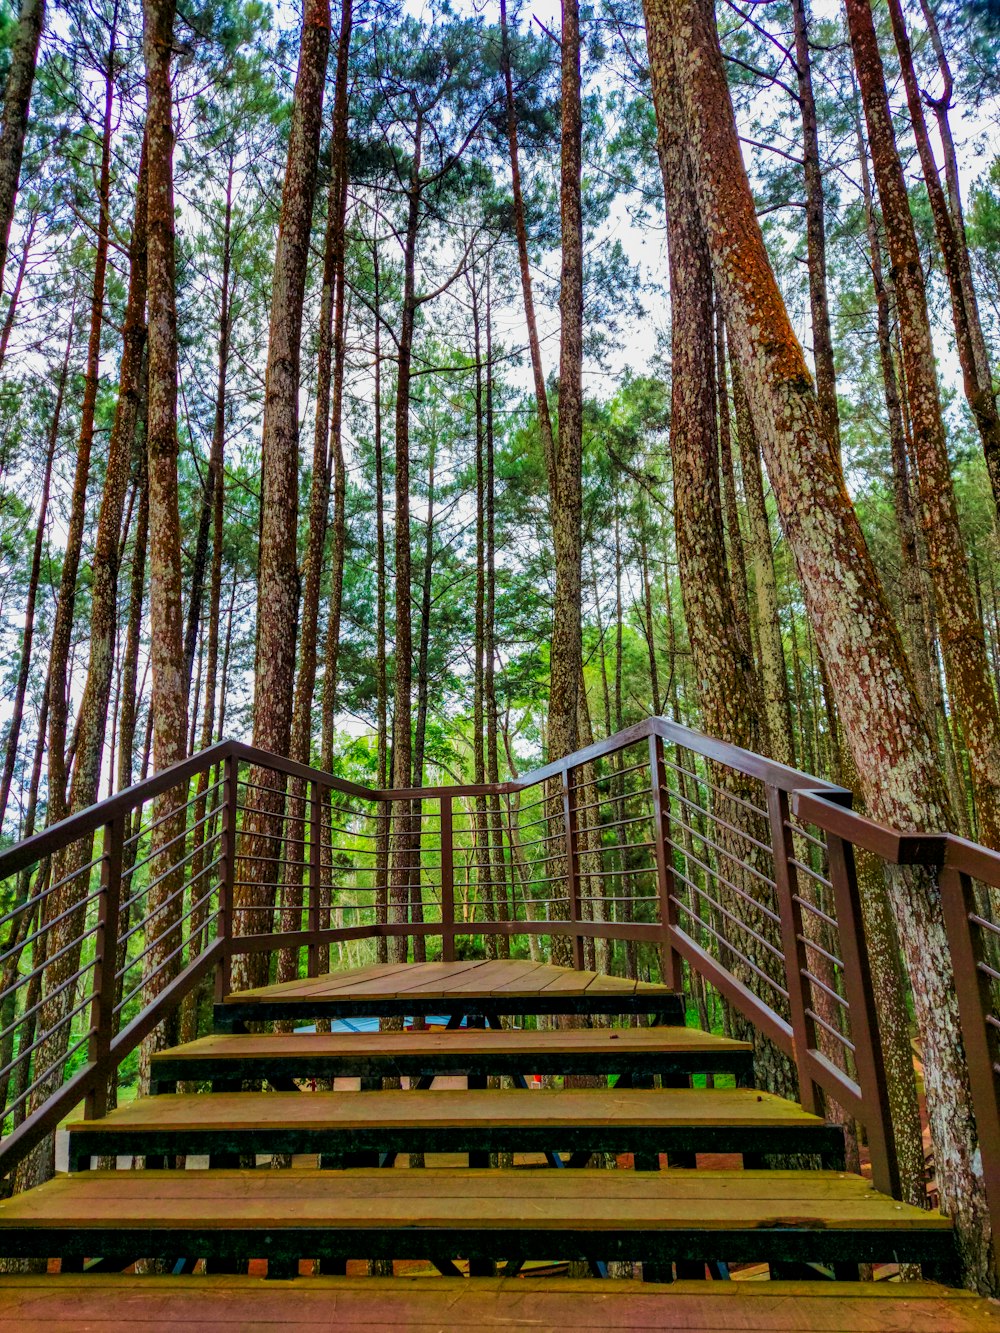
309, 986
373, 1201
728, 1107
529, 1042
67, 1303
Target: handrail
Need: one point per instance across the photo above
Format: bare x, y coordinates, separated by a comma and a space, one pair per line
662, 865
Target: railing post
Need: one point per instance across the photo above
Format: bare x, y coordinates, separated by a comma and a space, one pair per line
671, 963
106, 956
865, 1033
315, 875
979, 1036
227, 874
792, 942
572, 862
447, 882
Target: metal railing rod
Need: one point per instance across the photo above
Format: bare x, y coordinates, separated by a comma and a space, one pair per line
714, 818
816, 911
818, 948
728, 945
828, 1027
834, 995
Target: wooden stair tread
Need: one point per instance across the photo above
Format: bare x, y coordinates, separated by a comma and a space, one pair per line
445, 980
67, 1303
514, 1041
378, 1201
734, 1107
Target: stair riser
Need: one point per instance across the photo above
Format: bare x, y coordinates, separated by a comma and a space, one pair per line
760, 1245
825, 1142
668, 1012
167, 1073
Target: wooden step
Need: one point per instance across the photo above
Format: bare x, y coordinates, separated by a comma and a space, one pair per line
282, 1057
480, 989
66, 1304
650, 1216
577, 1120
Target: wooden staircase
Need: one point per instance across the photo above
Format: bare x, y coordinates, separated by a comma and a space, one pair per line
670, 1213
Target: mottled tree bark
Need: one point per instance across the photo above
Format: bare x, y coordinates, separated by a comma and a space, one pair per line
567, 501
17, 95
401, 850
872, 681
967, 668
721, 658
278, 575
168, 706
523, 259
977, 379
331, 321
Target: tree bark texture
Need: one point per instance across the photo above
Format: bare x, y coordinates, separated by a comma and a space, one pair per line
20, 78
967, 667
278, 575
872, 681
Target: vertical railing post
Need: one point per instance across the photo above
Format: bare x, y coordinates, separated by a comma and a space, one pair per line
792, 943
865, 1032
227, 874
980, 1037
106, 956
569, 803
315, 875
447, 882
671, 963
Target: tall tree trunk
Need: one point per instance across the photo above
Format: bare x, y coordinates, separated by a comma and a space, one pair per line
62, 630
130, 657
423, 698
874, 687
819, 303
168, 705
93, 716
970, 681
20, 77
774, 675
336, 250
497, 871
402, 720
381, 681
478, 634
20, 688
731, 513
213, 477
722, 661
278, 577
567, 501
523, 259
949, 228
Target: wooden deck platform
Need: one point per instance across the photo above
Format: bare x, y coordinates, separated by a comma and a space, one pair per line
482, 990
73, 1304
651, 1216
581, 1121
634, 1052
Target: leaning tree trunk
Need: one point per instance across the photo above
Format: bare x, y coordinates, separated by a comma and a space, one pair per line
721, 657
970, 680
21, 76
977, 379
872, 682
278, 576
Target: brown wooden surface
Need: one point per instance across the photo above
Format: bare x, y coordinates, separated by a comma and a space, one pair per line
513, 1041
572, 1107
68, 1304
468, 979
365, 1200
